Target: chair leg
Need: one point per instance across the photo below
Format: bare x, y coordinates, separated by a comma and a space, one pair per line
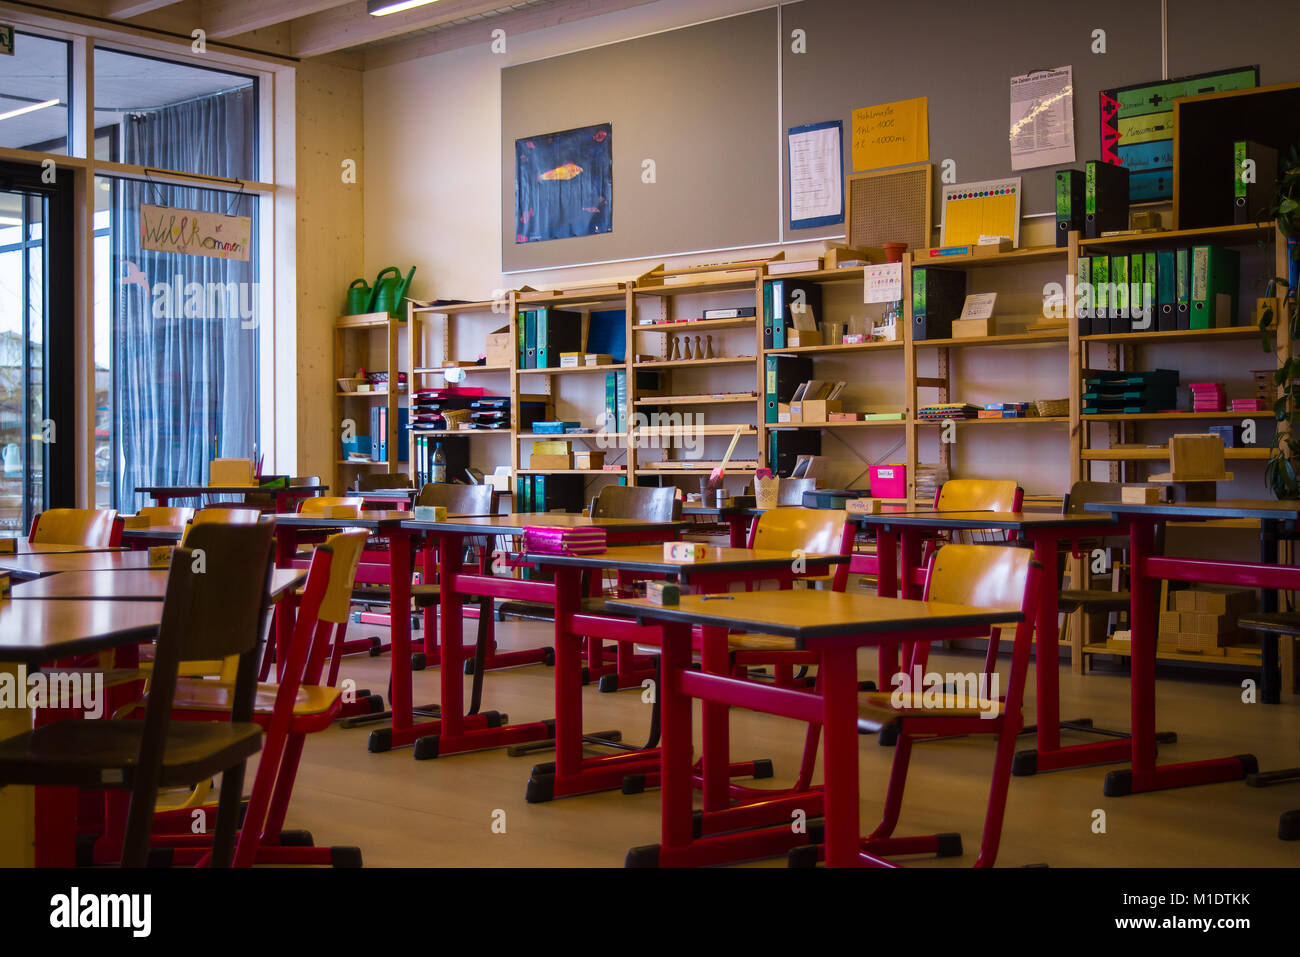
997, 796
223, 839
139, 826
897, 781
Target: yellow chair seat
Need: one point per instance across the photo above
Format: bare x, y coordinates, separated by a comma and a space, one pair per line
199, 695
879, 706
113, 677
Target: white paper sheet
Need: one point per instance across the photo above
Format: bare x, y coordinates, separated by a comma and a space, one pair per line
816, 175
1042, 118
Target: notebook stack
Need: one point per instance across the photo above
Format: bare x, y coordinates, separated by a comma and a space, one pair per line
492, 413
929, 479
1247, 405
429, 408
1004, 410
1209, 397
948, 410
1127, 393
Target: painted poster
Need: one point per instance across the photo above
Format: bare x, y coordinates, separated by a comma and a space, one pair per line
564, 184
193, 232
1137, 126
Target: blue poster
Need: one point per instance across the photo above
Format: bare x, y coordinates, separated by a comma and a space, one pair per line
564, 184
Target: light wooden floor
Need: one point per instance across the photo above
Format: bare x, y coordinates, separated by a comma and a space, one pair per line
403, 812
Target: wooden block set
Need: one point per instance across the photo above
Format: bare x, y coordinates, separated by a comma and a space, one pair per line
1204, 620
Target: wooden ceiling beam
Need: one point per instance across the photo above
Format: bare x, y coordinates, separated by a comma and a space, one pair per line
230, 18
350, 25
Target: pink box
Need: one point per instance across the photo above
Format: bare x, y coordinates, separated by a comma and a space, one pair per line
564, 541
889, 481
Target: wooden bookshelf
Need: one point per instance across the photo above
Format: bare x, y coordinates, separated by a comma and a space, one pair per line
369, 340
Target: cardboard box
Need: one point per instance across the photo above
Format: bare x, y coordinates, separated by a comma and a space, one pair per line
598, 359
684, 551
813, 410
550, 462
844, 416
551, 447
8, 546
570, 360
974, 328
500, 349
794, 338
783, 412
589, 460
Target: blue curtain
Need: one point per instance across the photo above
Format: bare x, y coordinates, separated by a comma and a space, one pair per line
186, 358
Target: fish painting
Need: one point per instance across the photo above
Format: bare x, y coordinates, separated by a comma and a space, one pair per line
564, 184
567, 171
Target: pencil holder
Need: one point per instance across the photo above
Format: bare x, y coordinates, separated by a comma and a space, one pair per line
766, 492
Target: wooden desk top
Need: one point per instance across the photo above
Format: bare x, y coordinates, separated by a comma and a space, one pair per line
24, 547
373, 520
184, 491
32, 632
650, 558
171, 533
1224, 508
932, 518
34, 566
506, 524
144, 584
810, 615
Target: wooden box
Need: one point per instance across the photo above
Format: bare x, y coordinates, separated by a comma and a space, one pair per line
1195, 458
550, 461
1142, 494
500, 348
589, 460
795, 338
974, 328
813, 410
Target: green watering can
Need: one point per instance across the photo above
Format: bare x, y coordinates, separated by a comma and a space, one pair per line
359, 295
389, 291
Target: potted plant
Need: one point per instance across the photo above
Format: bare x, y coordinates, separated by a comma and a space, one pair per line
1282, 473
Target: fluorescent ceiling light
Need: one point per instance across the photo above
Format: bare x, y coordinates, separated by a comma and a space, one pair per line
28, 109
381, 8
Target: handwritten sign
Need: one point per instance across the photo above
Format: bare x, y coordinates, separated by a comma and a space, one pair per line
195, 233
891, 134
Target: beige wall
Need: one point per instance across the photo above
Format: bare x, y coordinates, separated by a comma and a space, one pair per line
329, 130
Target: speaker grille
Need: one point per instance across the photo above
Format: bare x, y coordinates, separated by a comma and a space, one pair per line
886, 206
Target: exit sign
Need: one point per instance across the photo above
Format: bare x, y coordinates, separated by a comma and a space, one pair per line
6, 39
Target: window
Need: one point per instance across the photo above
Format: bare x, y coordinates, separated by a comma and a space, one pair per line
34, 95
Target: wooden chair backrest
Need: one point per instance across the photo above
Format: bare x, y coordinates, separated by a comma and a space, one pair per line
370, 481
631, 501
166, 514
979, 495
346, 548
230, 472
459, 499
296, 481
987, 576
317, 504
74, 526
811, 530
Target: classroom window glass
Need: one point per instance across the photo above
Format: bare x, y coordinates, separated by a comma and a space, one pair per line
35, 97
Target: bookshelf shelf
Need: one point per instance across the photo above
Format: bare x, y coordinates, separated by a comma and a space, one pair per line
1013, 257
1248, 233
1181, 335
1162, 455
693, 363
588, 436
856, 347
440, 370
1025, 420
613, 472
877, 424
1009, 339
700, 287
695, 325
456, 308
567, 370
1266, 414
697, 400
691, 472
365, 320
365, 395
848, 274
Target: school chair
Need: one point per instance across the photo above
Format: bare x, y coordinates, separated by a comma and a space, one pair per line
92, 527
230, 472
790, 490
1284, 626
985, 576
376, 481
1082, 597
165, 514
288, 711
221, 612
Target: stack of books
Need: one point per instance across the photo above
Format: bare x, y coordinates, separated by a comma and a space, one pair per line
948, 410
1004, 410
1208, 397
1247, 405
1125, 393
929, 478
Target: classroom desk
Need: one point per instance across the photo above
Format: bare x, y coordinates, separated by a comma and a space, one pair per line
1147, 570
899, 538
454, 731
153, 535
36, 632
144, 584
26, 567
390, 498
23, 547
571, 772
833, 624
736, 518
282, 496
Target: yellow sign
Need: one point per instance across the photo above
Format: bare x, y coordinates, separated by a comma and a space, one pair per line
891, 134
194, 232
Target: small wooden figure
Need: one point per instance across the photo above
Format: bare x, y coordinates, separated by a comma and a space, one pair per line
675, 352
708, 349
699, 348
687, 353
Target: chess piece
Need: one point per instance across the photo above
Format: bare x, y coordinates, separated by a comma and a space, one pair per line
675, 352
699, 348
687, 353
708, 349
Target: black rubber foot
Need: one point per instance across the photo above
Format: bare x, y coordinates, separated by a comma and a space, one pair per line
469, 666
381, 740
607, 684
888, 736
426, 748
540, 769
85, 850
548, 657
550, 726
804, 856
1037, 867
866, 686
697, 824
418, 661
1288, 826
493, 719
763, 768
541, 788
374, 702
375, 651
345, 857
817, 832
160, 857
634, 784
1166, 737
949, 845
647, 855
586, 675
1249, 763
1118, 784
1024, 764
297, 838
